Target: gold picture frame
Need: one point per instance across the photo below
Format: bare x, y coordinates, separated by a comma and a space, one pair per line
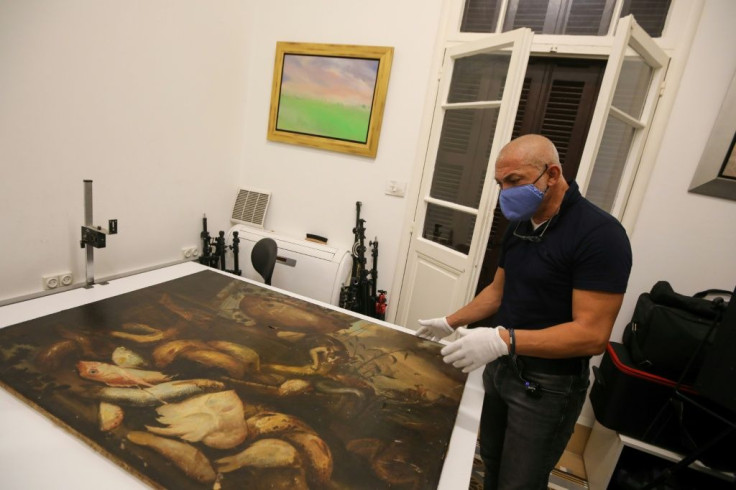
329, 96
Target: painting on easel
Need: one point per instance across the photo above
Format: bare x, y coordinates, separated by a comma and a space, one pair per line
211, 382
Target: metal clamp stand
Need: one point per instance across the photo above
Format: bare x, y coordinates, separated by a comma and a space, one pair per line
216, 259
235, 247
361, 294
220, 249
205, 258
93, 236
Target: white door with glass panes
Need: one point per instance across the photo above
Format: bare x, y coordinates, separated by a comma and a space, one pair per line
473, 118
624, 111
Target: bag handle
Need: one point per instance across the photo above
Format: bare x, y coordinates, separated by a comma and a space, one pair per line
713, 292
662, 293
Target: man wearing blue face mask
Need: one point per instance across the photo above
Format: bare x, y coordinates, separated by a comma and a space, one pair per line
562, 274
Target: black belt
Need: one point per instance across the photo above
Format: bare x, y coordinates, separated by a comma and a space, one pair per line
575, 365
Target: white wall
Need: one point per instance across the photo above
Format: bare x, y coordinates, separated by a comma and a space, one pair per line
146, 99
684, 238
689, 239
314, 191
165, 105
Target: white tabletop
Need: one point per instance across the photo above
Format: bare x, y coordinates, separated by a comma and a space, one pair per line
36, 453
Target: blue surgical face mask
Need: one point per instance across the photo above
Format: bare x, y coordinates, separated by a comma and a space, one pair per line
521, 202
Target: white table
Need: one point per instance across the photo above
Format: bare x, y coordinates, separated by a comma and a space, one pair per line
35, 453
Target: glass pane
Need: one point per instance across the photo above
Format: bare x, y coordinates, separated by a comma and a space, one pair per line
609, 165
649, 14
538, 15
573, 17
633, 85
462, 156
589, 17
450, 228
479, 77
480, 16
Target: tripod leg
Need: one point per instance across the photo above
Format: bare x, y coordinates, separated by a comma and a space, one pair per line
686, 461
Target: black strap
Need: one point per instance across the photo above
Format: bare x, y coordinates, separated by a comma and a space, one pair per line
512, 342
713, 292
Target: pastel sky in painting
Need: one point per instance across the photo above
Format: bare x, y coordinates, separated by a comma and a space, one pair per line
348, 81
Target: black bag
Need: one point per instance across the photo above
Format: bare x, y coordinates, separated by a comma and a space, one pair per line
667, 329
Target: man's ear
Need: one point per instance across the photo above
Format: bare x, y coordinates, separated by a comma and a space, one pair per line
555, 174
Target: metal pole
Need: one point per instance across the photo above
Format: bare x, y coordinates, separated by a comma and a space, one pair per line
90, 268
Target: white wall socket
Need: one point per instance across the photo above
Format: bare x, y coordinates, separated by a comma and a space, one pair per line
53, 281
395, 188
66, 279
50, 282
190, 253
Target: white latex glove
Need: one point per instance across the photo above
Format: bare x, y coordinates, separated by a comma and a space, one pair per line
434, 328
475, 348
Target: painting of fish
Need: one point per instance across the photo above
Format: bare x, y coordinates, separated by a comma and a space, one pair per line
208, 381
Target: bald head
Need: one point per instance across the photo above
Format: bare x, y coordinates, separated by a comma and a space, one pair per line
526, 160
530, 149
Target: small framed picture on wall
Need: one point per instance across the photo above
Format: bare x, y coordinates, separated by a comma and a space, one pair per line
329, 96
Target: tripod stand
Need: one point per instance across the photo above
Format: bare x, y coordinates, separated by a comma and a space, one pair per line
679, 398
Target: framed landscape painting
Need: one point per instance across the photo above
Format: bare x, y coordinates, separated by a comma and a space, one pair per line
329, 96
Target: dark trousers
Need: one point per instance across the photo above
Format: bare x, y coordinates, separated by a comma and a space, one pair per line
523, 431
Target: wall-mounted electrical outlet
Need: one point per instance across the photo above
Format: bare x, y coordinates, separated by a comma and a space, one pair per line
395, 188
66, 279
190, 253
50, 282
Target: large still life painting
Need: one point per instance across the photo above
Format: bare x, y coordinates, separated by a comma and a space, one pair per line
210, 382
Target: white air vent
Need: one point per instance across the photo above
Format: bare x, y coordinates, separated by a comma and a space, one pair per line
250, 207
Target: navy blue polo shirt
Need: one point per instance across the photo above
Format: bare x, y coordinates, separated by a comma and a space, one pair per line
582, 248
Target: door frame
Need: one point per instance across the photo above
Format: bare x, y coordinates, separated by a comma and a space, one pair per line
678, 36
423, 255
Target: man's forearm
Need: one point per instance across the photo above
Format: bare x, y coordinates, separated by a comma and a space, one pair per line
485, 304
468, 314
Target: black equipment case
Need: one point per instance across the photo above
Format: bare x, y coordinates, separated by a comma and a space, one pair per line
670, 334
649, 407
